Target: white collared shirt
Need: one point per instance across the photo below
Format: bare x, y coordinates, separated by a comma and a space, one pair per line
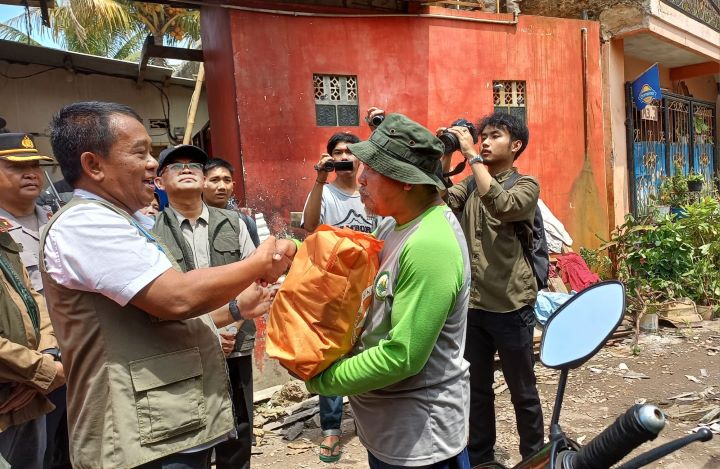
91, 248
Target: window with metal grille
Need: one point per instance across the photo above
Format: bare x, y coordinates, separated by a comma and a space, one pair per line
336, 100
509, 96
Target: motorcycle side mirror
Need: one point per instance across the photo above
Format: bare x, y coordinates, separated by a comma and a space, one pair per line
580, 327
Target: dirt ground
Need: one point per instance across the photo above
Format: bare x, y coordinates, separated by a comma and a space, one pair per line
671, 363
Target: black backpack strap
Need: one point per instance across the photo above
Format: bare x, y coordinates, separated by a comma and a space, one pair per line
514, 177
523, 230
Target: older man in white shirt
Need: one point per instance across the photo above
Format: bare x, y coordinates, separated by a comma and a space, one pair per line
147, 385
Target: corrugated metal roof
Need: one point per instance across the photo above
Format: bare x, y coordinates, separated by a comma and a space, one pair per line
16, 52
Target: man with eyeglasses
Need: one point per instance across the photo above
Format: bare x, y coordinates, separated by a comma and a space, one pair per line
200, 235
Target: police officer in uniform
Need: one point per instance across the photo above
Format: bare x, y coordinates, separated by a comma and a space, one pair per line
21, 182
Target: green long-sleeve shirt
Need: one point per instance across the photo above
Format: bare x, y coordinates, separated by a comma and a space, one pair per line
408, 365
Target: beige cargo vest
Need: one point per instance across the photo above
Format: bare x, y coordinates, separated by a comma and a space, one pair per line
137, 388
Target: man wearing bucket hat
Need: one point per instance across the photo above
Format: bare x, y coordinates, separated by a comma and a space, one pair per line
407, 380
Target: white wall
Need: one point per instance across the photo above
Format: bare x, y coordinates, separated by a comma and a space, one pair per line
27, 104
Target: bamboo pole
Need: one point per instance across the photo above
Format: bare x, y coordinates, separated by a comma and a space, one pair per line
192, 110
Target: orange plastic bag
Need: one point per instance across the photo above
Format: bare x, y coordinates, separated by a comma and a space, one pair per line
319, 310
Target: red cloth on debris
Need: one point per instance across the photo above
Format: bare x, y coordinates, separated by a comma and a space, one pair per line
575, 271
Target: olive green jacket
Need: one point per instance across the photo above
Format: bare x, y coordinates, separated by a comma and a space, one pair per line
22, 338
502, 278
138, 388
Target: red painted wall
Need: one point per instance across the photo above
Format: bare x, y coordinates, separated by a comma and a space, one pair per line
433, 70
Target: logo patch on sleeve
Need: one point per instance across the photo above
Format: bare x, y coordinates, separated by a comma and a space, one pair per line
381, 285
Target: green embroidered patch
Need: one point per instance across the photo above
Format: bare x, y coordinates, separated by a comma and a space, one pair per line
381, 285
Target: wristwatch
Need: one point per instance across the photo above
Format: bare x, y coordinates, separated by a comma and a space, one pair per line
234, 310
54, 352
476, 159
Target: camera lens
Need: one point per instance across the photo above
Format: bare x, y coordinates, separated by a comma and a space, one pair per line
328, 166
377, 120
450, 141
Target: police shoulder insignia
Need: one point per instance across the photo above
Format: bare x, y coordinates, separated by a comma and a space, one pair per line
5, 225
27, 143
381, 285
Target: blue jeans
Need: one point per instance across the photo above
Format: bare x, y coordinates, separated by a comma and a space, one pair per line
461, 461
331, 410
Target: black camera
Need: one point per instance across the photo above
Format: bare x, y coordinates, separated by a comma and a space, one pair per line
451, 142
330, 166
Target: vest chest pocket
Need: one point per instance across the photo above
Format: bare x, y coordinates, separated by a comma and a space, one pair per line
227, 246
168, 394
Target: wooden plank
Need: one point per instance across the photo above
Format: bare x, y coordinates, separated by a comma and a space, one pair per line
300, 411
265, 394
292, 419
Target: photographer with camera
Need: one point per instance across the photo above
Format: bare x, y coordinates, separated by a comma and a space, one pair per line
497, 204
337, 204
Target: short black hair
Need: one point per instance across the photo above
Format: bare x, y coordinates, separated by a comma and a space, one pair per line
346, 137
513, 125
84, 127
213, 163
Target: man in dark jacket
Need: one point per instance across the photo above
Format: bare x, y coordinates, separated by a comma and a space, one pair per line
504, 289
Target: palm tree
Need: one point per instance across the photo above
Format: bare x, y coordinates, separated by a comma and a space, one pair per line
109, 28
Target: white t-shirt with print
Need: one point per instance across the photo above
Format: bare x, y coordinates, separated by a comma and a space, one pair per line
342, 210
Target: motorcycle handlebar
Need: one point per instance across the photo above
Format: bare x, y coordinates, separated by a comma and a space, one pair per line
639, 424
703, 434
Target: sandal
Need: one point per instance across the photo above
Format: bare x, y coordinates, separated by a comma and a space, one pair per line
331, 457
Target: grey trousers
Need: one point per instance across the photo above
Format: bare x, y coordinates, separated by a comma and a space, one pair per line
23, 445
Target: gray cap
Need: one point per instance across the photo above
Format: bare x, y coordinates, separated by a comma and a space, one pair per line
169, 155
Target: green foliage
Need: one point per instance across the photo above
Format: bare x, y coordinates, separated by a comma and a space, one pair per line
674, 190
701, 126
668, 259
598, 262
652, 258
109, 28
701, 227
695, 177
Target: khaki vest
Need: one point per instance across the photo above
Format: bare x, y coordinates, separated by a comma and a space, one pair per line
224, 232
138, 388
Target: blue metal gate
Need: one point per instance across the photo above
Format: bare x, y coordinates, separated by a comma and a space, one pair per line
677, 131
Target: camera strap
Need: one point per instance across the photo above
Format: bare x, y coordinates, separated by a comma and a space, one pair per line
456, 170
